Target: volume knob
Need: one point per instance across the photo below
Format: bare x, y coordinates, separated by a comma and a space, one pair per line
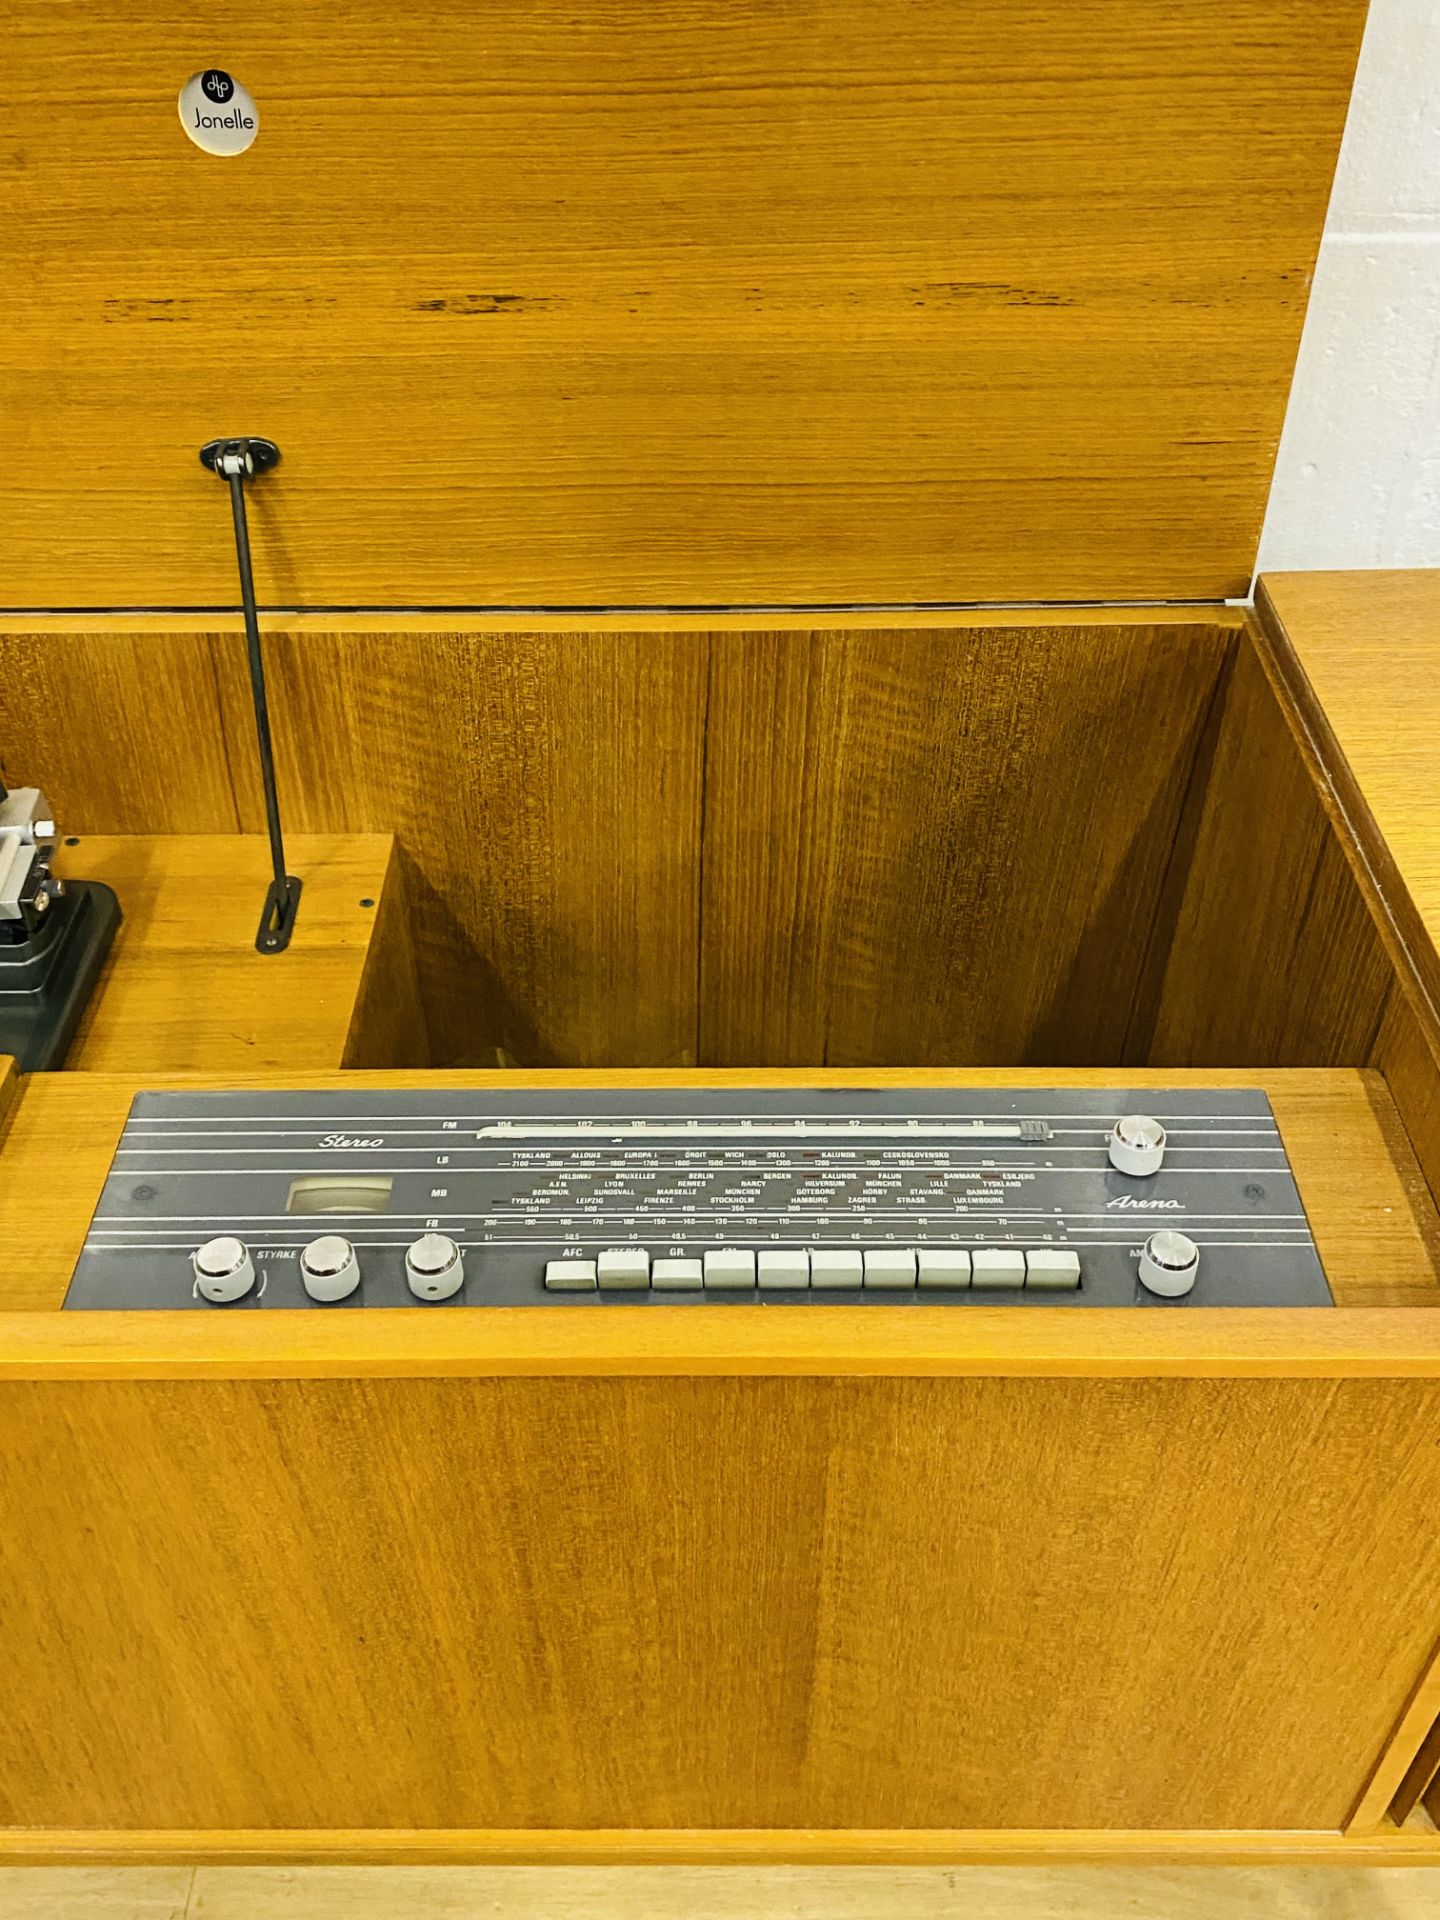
1169, 1262
1137, 1144
329, 1269
434, 1267
223, 1269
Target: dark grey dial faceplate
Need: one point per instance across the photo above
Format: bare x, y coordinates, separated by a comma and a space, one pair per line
519, 1178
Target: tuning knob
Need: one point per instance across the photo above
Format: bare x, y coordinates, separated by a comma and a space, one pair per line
1137, 1144
223, 1269
434, 1268
1169, 1262
329, 1269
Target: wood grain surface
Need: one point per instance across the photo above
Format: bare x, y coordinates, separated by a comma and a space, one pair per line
1408, 1762
1372, 1216
184, 990
119, 724
1422, 1716
1369, 646
1407, 1052
1348, 667
868, 842
1193, 1865
703, 304
1275, 955
548, 791
1360, 653
940, 847
718, 1602
388, 1027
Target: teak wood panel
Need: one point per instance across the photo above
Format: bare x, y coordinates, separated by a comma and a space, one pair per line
1373, 760
1355, 657
857, 844
184, 990
667, 304
1363, 651
349, 1856
687, 1603
548, 792
1407, 1052
388, 1025
121, 728
941, 847
1275, 956
1396, 1789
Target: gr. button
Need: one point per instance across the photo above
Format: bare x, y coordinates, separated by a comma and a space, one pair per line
677, 1273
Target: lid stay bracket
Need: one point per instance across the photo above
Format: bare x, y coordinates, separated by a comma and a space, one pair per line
236, 461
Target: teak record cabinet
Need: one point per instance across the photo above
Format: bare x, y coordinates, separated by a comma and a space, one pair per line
751, 588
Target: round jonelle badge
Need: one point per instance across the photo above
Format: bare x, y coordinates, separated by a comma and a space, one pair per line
217, 113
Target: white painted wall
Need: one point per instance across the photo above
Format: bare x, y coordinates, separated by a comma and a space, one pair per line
1358, 479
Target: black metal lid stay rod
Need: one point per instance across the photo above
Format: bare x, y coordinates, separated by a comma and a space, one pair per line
237, 461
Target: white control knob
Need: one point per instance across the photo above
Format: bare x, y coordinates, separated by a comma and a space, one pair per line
223, 1269
434, 1268
1137, 1144
329, 1269
1169, 1262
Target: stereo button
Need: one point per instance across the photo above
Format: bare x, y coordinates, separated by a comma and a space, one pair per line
623, 1270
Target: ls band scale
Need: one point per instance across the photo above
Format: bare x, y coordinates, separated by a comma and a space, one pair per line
227, 1201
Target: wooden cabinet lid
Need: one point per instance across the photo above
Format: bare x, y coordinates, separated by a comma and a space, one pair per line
646, 303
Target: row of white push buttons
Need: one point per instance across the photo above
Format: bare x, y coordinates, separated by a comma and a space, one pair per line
736, 1269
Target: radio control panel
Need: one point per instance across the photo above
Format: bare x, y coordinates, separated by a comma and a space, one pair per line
342, 1200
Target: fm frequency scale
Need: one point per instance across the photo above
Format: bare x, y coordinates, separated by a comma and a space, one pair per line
597, 1198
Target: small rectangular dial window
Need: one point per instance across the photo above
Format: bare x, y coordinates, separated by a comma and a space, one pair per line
340, 1193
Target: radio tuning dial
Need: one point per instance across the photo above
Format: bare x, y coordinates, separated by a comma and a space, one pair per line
329, 1269
1137, 1144
223, 1269
434, 1267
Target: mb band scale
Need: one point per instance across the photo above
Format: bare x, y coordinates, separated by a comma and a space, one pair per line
232, 1201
